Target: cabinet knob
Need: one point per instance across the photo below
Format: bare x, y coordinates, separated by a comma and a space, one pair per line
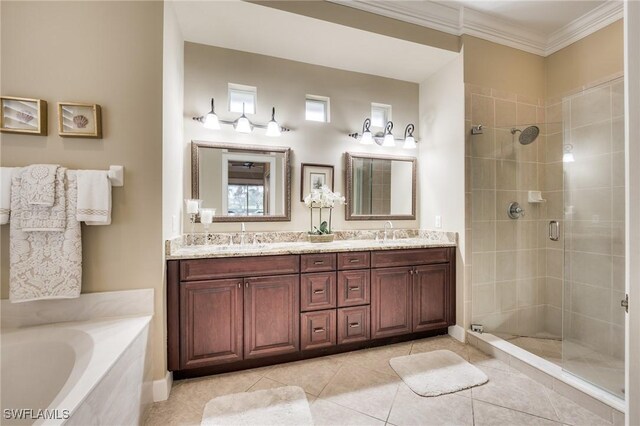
318, 291
354, 325
239, 285
318, 329
246, 285
354, 288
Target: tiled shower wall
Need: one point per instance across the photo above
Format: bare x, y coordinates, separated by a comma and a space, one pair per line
508, 257
595, 209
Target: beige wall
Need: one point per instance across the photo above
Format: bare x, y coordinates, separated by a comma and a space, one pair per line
350, 17
503, 68
595, 58
111, 54
284, 84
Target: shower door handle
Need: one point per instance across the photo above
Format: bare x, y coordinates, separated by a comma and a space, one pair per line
554, 230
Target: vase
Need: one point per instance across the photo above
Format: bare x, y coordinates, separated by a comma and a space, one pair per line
324, 238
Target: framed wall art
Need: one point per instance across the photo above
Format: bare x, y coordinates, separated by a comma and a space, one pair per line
23, 115
76, 120
313, 176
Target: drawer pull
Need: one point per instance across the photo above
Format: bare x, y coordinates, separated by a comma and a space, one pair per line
354, 288
354, 260
318, 330
318, 291
354, 324
318, 262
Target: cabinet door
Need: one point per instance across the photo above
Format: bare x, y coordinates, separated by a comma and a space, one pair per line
211, 322
271, 315
353, 288
431, 297
390, 302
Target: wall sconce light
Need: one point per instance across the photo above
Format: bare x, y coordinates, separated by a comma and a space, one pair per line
385, 138
567, 156
242, 124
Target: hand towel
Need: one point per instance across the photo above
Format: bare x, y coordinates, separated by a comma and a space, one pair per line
94, 197
45, 265
39, 183
35, 217
6, 173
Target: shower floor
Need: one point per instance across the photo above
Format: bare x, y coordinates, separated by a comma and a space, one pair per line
602, 370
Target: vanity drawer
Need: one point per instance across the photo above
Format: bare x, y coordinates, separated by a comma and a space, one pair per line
317, 291
318, 262
392, 258
317, 329
353, 324
355, 260
354, 287
255, 266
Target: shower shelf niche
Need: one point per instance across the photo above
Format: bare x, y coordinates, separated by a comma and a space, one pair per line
535, 197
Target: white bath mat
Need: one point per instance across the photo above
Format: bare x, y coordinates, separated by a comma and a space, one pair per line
437, 373
270, 407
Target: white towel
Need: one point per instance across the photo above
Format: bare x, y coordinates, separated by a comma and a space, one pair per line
94, 197
39, 184
39, 217
45, 265
6, 173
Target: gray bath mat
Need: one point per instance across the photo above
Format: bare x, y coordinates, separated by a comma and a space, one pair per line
437, 373
279, 406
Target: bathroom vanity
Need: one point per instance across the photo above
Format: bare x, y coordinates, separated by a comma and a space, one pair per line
230, 310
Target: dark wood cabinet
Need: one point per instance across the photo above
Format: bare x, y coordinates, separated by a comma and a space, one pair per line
390, 302
271, 315
317, 291
211, 322
431, 302
317, 329
353, 288
226, 314
353, 324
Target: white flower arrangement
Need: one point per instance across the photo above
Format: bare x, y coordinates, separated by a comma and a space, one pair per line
322, 198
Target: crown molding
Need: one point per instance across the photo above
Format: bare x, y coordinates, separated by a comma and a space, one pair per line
458, 20
438, 16
587, 24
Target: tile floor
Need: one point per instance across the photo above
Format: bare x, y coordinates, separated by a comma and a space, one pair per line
359, 388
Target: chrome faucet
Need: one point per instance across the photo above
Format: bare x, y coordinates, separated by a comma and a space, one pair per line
243, 232
386, 230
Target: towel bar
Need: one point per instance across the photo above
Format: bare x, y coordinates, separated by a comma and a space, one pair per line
116, 175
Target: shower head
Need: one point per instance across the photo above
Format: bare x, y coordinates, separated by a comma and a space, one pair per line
528, 135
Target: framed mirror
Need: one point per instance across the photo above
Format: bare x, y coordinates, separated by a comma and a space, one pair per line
380, 187
244, 183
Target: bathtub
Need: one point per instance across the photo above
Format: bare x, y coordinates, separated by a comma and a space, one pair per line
84, 373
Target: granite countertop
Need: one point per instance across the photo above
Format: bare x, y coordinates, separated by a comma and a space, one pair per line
282, 248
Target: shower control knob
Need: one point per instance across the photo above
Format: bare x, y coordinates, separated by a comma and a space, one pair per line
515, 211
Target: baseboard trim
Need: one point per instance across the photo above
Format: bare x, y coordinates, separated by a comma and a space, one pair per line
457, 333
162, 387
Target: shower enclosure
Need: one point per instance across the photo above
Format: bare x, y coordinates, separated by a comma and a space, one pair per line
547, 227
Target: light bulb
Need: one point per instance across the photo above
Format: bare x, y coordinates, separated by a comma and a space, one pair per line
273, 129
211, 121
243, 125
567, 157
389, 140
409, 143
367, 138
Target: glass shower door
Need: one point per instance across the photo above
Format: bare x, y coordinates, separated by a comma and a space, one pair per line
594, 224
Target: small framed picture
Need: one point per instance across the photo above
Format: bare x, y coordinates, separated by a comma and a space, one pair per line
23, 115
79, 120
314, 176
